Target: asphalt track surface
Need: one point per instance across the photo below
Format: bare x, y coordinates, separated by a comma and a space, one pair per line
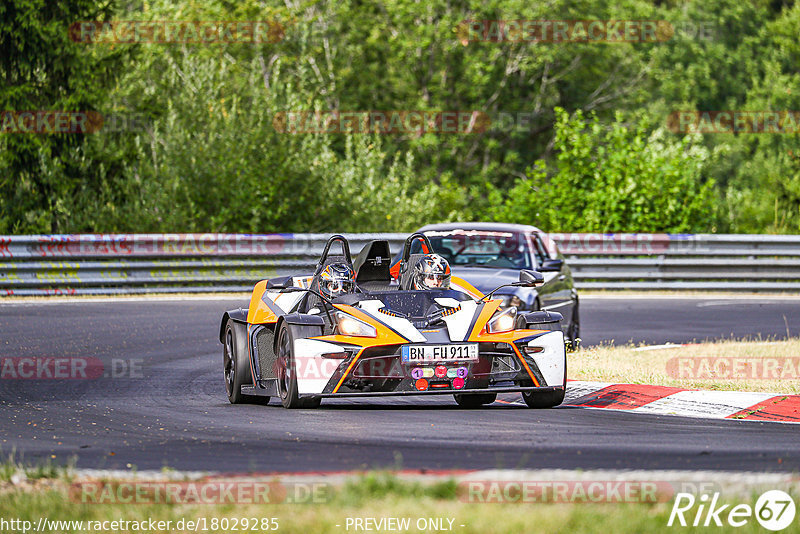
172, 409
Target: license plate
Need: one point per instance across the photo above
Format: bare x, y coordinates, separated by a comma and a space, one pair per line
439, 353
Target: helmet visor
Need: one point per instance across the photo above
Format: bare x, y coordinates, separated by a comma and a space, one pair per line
435, 280
339, 286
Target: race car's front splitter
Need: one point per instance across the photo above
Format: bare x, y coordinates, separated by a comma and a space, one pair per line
513, 389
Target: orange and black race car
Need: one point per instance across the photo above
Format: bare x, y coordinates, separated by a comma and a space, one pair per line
386, 338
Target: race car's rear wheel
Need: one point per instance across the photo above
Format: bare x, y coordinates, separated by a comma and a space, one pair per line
287, 370
475, 400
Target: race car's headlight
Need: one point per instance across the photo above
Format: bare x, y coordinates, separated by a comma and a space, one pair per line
502, 321
347, 325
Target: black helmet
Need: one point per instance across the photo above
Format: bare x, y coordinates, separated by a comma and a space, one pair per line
337, 279
432, 272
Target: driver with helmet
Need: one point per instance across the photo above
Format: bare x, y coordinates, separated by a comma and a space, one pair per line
335, 280
431, 272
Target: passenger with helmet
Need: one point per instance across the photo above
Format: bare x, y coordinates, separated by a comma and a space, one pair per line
431, 272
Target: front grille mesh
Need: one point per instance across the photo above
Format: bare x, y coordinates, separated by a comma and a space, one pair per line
504, 365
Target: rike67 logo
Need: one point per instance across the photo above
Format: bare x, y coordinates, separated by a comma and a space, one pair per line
774, 510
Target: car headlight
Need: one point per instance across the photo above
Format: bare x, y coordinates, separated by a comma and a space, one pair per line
347, 325
503, 321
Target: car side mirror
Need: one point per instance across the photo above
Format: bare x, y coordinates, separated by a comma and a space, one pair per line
283, 282
528, 278
551, 265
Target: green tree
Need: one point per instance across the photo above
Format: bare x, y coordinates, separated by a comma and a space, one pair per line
615, 178
211, 158
42, 69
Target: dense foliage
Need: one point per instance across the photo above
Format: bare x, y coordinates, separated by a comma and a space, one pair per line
579, 140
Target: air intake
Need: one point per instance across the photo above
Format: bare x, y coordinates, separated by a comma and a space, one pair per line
266, 354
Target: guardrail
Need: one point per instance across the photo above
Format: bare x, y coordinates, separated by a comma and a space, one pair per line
728, 262
165, 263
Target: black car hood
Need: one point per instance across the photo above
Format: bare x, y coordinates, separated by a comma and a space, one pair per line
486, 278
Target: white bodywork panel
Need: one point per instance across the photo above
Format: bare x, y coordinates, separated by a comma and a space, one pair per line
447, 302
313, 371
553, 360
400, 325
458, 323
285, 301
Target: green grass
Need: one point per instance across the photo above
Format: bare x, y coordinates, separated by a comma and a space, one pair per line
382, 485
34, 471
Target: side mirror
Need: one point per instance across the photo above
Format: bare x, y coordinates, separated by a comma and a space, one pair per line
529, 278
526, 279
283, 282
551, 265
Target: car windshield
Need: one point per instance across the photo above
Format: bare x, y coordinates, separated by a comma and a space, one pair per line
482, 248
412, 303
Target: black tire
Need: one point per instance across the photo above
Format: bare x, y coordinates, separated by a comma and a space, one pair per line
475, 400
236, 365
543, 399
287, 379
546, 399
574, 329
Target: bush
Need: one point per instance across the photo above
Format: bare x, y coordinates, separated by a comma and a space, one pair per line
618, 178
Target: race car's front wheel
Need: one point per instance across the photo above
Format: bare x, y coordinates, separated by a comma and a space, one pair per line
475, 400
235, 366
543, 399
287, 369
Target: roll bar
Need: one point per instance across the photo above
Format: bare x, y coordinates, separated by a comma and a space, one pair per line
345, 249
426, 244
